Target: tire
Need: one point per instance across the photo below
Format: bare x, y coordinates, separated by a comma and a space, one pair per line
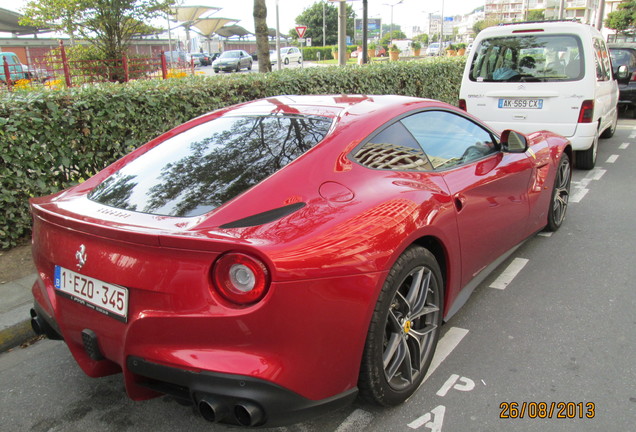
238, 67
560, 194
586, 159
300, 60
609, 132
404, 329
286, 61
249, 66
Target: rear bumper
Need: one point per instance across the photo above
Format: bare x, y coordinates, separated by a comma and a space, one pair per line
234, 399
283, 358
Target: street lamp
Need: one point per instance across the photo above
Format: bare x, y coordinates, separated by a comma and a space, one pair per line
391, 28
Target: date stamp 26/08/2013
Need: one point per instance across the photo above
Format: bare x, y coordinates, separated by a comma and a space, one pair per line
547, 410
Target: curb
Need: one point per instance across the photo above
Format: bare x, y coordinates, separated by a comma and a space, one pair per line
18, 331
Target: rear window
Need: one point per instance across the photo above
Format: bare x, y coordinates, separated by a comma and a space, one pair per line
198, 170
528, 58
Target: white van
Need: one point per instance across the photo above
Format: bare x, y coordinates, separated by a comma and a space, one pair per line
544, 75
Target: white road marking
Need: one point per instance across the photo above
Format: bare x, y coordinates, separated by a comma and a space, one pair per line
507, 276
545, 234
632, 135
465, 385
595, 174
611, 159
623, 146
436, 413
578, 195
357, 421
445, 346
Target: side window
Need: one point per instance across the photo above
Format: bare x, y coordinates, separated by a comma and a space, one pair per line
394, 148
449, 139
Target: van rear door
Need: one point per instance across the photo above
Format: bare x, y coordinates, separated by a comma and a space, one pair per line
528, 81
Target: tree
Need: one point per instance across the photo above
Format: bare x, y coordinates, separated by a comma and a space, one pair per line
312, 18
623, 20
388, 37
109, 25
262, 41
421, 38
480, 25
536, 15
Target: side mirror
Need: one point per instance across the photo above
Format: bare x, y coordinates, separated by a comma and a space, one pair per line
622, 74
513, 142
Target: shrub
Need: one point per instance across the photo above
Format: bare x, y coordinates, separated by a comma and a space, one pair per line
50, 140
311, 53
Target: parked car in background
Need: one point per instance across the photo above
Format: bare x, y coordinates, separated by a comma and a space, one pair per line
287, 55
16, 70
201, 59
432, 49
624, 54
544, 75
232, 61
255, 264
177, 57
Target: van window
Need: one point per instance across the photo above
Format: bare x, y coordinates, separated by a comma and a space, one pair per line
528, 58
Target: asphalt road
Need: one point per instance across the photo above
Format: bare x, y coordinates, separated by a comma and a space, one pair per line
556, 336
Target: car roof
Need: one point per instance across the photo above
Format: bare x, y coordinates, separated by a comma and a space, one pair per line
538, 26
622, 45
329, 105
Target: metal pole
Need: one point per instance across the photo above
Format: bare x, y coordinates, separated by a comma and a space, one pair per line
342, 33
365, 25
278, 60
599, 17
324, 27
441, 32
169, 36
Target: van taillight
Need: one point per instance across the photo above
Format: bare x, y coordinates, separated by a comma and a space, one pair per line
633, 77
462, 104
586, 115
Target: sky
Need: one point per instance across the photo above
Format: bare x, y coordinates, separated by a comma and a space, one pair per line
407, 14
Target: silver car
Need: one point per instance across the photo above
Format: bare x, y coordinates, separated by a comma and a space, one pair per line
233, 60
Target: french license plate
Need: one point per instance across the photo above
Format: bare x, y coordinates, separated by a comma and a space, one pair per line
109, 299
521, 103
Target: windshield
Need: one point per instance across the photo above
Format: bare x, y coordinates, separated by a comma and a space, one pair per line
230, 54
203, 167
528, 58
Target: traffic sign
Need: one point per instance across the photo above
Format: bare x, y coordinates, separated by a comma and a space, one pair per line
301, 31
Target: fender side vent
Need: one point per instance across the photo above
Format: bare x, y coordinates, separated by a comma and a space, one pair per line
265, 217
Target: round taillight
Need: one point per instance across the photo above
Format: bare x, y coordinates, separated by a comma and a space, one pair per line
240, 278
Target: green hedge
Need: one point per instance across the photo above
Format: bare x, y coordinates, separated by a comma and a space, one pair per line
311, 53
50, 140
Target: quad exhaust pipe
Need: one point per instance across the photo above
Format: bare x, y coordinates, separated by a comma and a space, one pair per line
41, 327
244, 413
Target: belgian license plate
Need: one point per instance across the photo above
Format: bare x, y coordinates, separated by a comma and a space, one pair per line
109, 299
521, 103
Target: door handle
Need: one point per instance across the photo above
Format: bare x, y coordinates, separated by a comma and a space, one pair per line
459, 201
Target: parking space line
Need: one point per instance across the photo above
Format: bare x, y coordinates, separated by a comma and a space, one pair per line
578, 195
623, 146
611, 159
358, 420
595, 174
507, 276
545, 234
445, 346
